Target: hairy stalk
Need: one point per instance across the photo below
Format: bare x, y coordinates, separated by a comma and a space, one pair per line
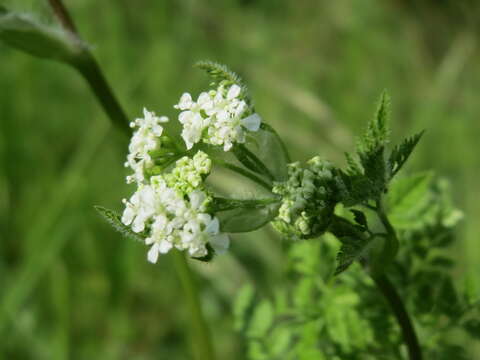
201, 342
388, 290
89, 68
243, 172
398, 308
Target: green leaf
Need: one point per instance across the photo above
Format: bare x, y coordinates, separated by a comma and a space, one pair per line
262, 320
271, 151
23, 33
246, 219
352, 249
408, 199
242, 306
402, 152
114, 219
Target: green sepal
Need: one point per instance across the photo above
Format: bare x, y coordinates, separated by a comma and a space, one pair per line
114, 219
23, 33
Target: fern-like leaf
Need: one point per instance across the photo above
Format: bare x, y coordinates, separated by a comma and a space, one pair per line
402, 152
114, 219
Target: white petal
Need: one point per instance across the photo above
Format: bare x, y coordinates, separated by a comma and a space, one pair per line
233, 92
185, 102
220, 243
252, 122
213, 227
164, 246
152, 255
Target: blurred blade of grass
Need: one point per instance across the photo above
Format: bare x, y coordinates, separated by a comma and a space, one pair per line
43, 248
60, 298
312, 105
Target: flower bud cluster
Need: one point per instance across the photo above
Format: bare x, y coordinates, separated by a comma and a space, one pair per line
218, 117
308, 200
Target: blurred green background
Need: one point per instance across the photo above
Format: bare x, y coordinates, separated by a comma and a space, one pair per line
70, 287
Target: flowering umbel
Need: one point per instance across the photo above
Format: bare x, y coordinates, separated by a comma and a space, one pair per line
170, 208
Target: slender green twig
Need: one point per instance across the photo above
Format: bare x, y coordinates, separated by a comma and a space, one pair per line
90, 70
388, 290
63, 15
201, 342
396, 303
391, 240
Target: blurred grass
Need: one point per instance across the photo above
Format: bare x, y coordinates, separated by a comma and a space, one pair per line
70, 287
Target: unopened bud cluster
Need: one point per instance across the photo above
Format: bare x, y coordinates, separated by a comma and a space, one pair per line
308, 200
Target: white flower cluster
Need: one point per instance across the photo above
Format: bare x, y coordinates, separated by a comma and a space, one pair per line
218, 117
171, 210
144, 141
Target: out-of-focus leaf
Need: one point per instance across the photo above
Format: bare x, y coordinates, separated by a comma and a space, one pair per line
408, 200
22, 32
241, 306
262, 320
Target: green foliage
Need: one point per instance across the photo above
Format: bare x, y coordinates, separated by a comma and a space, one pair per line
402, 152
115, 221
345, 317
23, 33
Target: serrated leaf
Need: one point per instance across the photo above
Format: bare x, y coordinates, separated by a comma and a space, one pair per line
247, 219
114, 219
352, 249
20, 31
402, 152
408, 199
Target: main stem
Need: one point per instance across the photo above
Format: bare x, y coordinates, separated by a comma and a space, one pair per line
91, 71
389, 291
398, 308
201, 342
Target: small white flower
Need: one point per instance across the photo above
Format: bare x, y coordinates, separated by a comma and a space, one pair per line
144, 140
218, 117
